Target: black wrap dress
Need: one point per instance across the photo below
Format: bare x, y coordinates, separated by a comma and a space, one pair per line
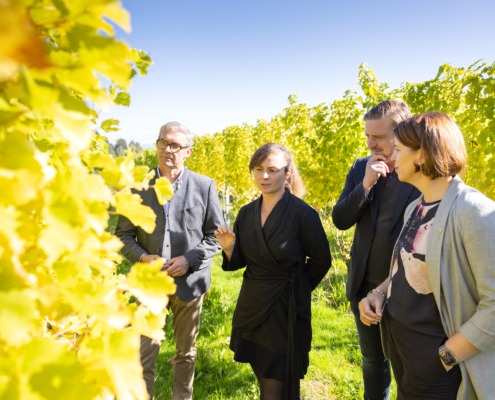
286, 259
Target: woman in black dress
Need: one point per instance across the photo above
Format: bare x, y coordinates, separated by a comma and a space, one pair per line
281, 242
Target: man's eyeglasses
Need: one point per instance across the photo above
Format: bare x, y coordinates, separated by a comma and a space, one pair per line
163, 144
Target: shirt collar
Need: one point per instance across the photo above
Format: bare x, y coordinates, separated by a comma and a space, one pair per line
178, 182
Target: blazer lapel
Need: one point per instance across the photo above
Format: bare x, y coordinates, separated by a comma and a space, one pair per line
434, 250
176, 203
378, 189
177, 200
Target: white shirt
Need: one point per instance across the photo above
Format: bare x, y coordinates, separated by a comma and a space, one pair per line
166, 249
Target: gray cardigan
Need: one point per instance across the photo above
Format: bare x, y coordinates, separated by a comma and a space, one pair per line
461, 268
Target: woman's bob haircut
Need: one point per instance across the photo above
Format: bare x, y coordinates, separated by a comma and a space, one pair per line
440, 140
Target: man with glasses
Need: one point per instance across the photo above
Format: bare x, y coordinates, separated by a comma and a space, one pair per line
184, 236
373, 200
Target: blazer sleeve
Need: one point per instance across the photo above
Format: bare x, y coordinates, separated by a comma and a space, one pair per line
127, 232
208, 246
352, 202
477, 235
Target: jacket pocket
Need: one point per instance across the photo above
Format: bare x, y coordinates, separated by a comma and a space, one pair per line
194, 217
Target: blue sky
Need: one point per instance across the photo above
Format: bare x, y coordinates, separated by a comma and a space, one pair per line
219, 63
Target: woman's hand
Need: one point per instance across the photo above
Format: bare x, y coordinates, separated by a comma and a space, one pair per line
226, 239
370, 308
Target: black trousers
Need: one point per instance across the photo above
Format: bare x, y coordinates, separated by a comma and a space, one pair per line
416, 365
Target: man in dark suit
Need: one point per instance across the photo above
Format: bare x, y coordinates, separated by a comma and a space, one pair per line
373, 200
184, 236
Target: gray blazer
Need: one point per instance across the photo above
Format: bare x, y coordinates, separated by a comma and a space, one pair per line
194, 213
461, 268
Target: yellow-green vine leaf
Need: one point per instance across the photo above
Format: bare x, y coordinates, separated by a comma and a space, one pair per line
150, 285
130, 205
163, 189
18, 316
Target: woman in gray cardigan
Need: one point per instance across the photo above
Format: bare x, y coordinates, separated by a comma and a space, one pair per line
438, 326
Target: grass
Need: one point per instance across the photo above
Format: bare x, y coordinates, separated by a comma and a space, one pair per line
335, 360
334, 371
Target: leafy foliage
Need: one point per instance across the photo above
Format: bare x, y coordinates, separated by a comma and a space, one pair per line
69, 330
325, 139
467, 94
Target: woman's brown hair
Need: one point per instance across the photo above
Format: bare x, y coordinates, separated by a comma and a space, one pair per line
294, 183
440, 141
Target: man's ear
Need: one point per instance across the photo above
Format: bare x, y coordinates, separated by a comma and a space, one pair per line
189, 151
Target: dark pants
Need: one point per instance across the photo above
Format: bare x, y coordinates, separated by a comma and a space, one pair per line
376, 369
417, 368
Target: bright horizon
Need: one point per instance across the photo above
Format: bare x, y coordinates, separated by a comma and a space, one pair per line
220, 63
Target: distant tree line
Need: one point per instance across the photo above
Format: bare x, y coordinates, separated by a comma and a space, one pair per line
120, 147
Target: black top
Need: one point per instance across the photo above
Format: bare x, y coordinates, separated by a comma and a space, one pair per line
411, 299
285, 259
412, 330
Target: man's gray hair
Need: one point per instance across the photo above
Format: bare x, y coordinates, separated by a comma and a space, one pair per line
175, 126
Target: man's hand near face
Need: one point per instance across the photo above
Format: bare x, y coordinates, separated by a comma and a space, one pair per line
375, 168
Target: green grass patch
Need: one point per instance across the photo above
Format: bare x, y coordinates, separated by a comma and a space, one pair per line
334, 371
335, 360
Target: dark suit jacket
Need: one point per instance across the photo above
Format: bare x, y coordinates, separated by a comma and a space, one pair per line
194, 213
353, 208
